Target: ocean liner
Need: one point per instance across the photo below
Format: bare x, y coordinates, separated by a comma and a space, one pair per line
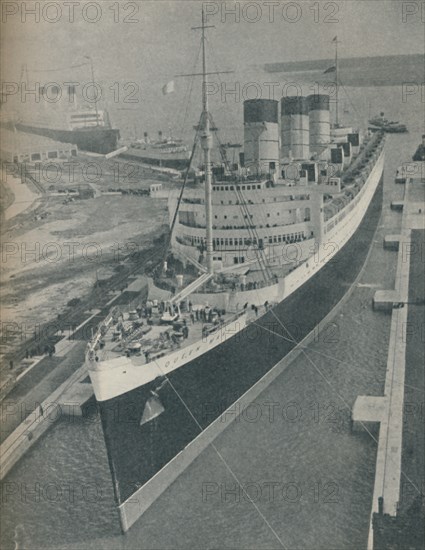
86, 129
260, 254
65, 121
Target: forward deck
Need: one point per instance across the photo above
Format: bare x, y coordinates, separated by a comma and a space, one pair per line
149, 333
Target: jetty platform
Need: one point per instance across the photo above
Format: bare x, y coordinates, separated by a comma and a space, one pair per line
405, 302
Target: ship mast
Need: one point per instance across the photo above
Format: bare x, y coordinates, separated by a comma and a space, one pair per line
93, 84
336, 82
206, 141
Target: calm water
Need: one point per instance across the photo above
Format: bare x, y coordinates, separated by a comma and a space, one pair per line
322, 474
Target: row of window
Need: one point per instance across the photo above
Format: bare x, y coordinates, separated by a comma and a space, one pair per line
284, 198
251, 187
34, 157
236, 217
243, 242
348, 209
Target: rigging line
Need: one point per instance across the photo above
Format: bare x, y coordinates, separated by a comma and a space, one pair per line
359, 118
182, 190
332, 388
329, 384
326, 356
185, 405
253, 235
246, 213
303, 351
189, 90
260, 206
216, 67
242, 206
233, 130
256, 240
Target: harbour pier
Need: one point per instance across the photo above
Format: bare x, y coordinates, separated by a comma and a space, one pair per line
406, 302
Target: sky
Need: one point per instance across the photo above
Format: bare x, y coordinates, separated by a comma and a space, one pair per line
160, 39
148, 42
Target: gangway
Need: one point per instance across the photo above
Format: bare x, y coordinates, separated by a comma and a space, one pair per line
192, 287
195, 263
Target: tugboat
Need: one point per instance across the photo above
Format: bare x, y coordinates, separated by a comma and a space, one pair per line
379, 123
258, 255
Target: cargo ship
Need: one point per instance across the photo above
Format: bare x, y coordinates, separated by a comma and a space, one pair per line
259, 254
89, 129
167, 152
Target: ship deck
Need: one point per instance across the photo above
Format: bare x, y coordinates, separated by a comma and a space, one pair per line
145, 337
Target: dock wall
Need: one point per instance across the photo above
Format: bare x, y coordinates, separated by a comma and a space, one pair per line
36, 424
388, 409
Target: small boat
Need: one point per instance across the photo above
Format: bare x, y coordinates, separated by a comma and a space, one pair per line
389, 126
420, 151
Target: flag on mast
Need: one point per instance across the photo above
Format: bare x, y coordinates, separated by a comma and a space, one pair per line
168, 88
335, 39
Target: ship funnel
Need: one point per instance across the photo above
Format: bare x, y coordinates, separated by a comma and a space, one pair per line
160, 135
261, 135
295, 127
319, 123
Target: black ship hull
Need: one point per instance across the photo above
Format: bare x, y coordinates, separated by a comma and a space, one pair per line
209, 384
95, 140
163, 162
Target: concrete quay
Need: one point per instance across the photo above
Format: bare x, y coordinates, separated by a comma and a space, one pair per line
64, 400
387, 410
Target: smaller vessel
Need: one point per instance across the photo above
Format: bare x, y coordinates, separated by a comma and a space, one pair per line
420, 151
167, 152
385, 125
395, 128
